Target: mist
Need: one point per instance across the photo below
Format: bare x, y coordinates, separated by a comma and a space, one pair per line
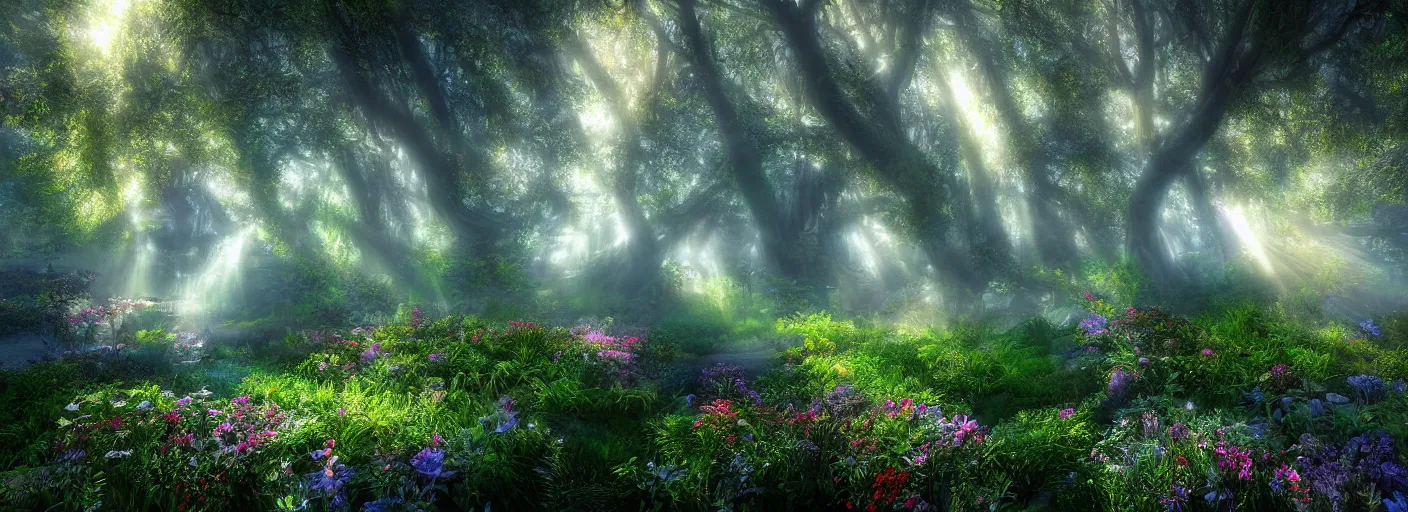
697, 171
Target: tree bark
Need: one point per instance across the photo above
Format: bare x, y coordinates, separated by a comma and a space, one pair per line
745, 157
1225, 75
898, 163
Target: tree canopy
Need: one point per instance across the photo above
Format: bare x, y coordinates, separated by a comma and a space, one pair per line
839, 152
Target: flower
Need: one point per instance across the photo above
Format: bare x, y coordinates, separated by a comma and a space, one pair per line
1094, 325
1367, 387
183, 402
1398, 504
431, 462
615, 354
1118, 381
330, 480
1207, 352
381, 504
1369, 328
1317, 407
1176, 500
71, 407
888, 486
1230, 458
1067, 413
436, 357
1178, 431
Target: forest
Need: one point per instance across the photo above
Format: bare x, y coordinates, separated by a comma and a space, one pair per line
734, 255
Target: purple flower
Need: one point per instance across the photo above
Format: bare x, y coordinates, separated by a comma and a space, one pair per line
615, 354
1207, 352
431, 462
1118, 381
1176, 500
243, 400
184, 401
689, 399
436, 357
1067, 413
369, 355
1094, 325
1178, 431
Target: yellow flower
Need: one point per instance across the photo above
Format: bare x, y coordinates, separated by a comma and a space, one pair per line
840, 370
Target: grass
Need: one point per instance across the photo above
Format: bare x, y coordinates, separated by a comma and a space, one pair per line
529, 417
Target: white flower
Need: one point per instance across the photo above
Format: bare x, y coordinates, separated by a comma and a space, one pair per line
118, 454
1188, 406
119, 403
71, 407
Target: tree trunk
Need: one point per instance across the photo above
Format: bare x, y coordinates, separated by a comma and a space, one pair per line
899, 164
745, 157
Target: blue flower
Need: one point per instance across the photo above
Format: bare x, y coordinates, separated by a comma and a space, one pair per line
510, 421
1398, 504
381, 504
1367, 386
330, 480
1369, 328
1317, 407
431, 462
689, 399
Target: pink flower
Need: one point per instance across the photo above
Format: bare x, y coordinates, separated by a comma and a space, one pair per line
1067, 413
1207, 352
